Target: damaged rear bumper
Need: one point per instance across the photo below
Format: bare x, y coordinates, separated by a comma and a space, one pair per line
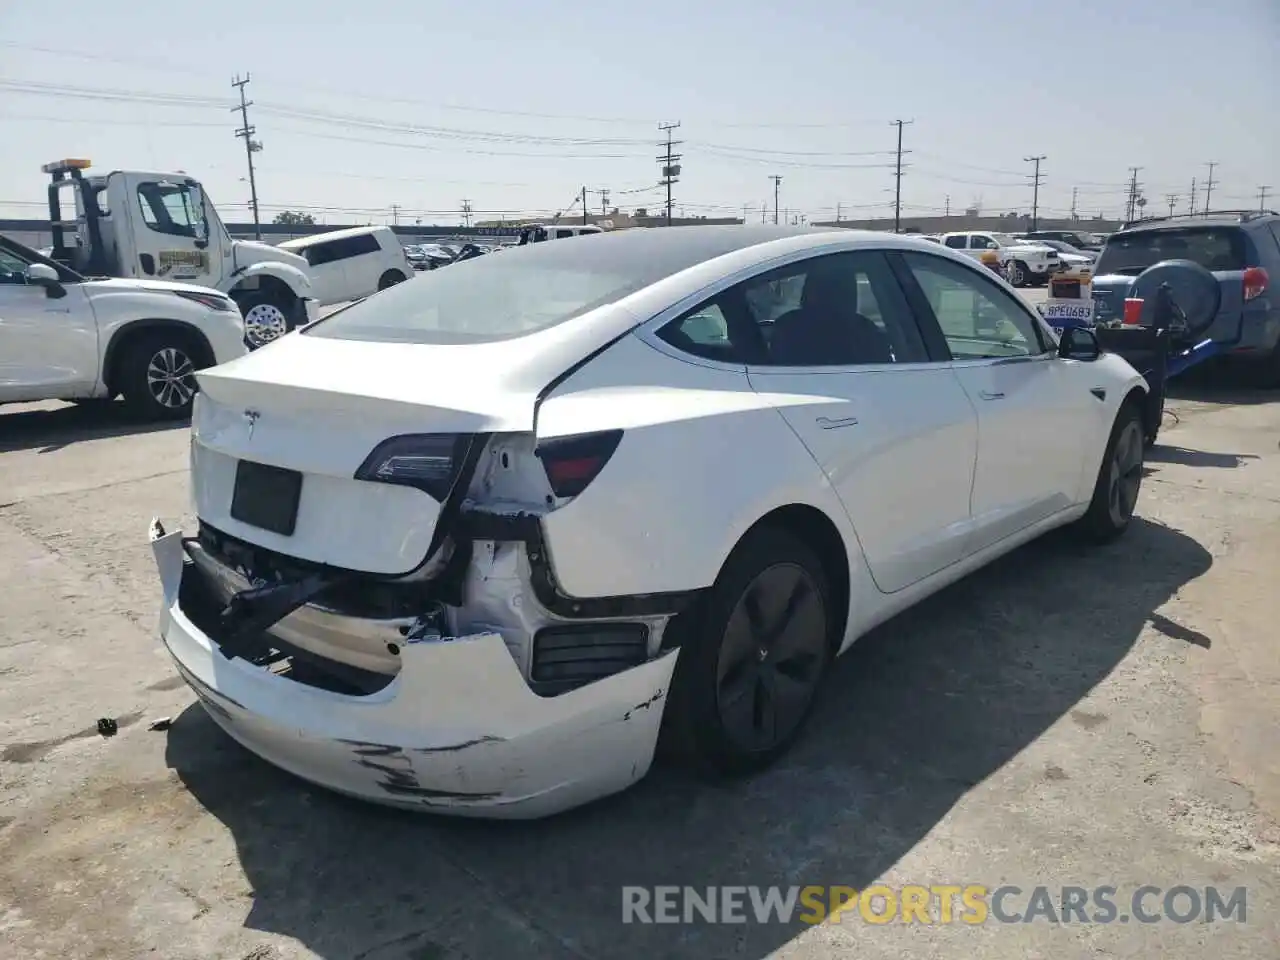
458, 730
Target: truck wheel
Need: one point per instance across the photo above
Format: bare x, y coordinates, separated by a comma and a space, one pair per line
1016, 273
390, 279
265, 317
157, 376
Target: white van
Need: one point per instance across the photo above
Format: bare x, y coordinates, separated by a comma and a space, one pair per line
350, 264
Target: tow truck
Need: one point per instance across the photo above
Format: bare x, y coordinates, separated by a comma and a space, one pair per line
162, 226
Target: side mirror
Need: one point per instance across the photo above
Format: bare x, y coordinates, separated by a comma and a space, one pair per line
1079, 343
43, 275
199, 225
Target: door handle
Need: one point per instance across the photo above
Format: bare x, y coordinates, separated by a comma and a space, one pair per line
991, 395
826, 423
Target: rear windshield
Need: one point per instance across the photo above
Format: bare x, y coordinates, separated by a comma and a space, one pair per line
527, 288
1214, 248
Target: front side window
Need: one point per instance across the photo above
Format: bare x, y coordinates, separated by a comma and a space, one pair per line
842, 309
981, 243
13, 270
978, 319
169, 208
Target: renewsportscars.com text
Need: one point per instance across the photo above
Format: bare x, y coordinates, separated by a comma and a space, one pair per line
970, 904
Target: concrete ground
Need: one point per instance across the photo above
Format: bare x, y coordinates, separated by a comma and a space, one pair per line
1069, 716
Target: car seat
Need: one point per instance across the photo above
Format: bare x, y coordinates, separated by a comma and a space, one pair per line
827, 329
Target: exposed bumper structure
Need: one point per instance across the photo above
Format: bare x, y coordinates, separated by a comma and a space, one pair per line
457, 731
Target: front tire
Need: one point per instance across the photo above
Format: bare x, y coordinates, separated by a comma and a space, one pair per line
1016, 273
266, 318
1115, 492
753, 656
157, 377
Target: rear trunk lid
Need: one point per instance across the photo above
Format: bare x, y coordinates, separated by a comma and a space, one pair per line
309, 411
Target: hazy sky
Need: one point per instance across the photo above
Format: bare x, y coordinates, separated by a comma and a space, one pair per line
516, 106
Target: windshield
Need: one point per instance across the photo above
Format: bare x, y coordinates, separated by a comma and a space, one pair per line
527, 289
1214, 248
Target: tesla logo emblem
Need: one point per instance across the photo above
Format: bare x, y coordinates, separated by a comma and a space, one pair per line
251, 417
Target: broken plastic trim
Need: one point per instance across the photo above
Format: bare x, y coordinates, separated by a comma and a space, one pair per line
526, 528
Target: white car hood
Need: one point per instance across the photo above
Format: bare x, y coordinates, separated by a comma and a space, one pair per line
126, 284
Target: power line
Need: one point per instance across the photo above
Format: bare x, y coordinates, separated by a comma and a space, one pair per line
251, 147
1035, 194
670, 169
897, 178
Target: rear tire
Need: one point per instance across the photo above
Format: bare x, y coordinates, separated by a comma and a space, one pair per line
390, 279
157, 376
754, 652
1115, 492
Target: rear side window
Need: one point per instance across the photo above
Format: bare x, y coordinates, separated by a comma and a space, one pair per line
955, 243
1214, 248
342, 249
1275, 233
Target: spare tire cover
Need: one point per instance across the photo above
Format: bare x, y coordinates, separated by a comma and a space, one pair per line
1195, 290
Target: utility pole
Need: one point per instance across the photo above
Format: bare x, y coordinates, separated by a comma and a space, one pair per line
466, 213
946, 210
897, 179
251, 147
839, 209
1035, 191
1075, 192
1132, 203
1171, 199
764, 213
670, 169
604, 201
1208, 186
584, 206
1262, 198
1192, 209
395, 214
777, 180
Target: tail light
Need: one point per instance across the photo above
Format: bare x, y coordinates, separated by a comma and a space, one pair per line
573, 462
1255, 283
428, 461
1132, 311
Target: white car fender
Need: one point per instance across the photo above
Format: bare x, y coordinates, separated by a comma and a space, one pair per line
653, 488
119, 305
296, 279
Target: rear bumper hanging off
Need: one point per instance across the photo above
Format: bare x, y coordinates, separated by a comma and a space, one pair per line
457, 730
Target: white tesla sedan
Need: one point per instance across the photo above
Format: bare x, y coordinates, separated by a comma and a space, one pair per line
472, 544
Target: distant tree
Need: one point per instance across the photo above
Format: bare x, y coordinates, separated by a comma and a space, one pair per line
292, 219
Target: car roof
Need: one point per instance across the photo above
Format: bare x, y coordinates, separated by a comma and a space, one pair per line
1227, 218
301, 242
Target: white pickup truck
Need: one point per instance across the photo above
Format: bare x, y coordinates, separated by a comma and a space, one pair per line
1022, 261
64, 336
